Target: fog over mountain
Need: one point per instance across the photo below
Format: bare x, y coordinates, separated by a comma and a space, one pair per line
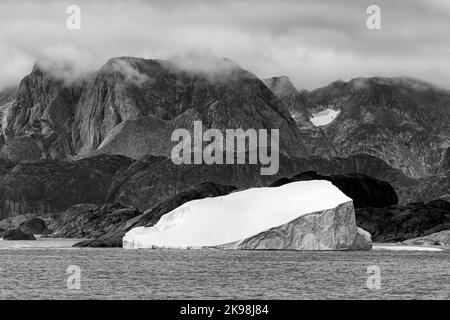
312, 42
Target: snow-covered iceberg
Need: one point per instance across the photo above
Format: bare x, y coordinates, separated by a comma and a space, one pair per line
304, 215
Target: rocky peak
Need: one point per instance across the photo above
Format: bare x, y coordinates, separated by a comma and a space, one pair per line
42, 109
75, 118
283, 88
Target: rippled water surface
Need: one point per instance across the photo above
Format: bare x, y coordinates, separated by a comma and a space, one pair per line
28, 271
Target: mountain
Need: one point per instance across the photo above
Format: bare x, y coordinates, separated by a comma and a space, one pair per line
294, 100
403, 121
115, 106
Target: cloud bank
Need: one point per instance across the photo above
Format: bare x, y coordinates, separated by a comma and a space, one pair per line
314, 42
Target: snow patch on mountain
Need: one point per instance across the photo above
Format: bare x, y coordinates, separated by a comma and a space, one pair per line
324, 117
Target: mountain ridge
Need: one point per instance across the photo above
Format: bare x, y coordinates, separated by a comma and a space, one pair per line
73, 119
403, 121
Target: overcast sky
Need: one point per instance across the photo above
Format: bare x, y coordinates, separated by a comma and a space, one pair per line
313, 42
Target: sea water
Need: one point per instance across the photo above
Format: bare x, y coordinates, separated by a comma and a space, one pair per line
44, 269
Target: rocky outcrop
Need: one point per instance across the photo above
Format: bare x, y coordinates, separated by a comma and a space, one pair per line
91, 221
365, 191
6, 165
14, 222
34, 226
16, 234
445, 167
402, 222
424, 190
47, 186
138, 137
110, 240
436, 239
21, 149
362, 240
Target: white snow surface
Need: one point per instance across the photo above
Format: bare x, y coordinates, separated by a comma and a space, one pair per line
236, 216
324, 117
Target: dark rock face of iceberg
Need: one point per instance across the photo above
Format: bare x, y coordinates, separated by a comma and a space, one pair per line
332, 229
364, 190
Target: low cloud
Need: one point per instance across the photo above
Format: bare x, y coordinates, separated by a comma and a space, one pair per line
203, 63
66, 63
314, 42
131, 74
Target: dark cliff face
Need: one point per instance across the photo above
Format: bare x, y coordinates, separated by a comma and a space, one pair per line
131, 88
152, 180
43, 110
51, 186
294, 100
7, 96
403, 121
74, 119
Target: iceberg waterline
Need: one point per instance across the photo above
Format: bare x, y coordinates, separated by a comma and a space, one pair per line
241, 215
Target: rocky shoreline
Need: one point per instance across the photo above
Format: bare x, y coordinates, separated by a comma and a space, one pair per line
105, 225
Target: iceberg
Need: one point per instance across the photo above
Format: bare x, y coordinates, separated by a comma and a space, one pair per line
303, 215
